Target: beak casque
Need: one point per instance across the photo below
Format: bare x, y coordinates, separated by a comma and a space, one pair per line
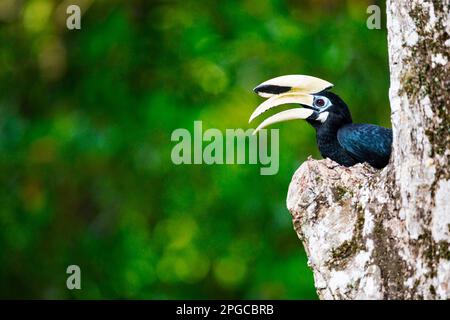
291, 89
292, 83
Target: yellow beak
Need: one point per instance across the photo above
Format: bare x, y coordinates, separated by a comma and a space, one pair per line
291, 89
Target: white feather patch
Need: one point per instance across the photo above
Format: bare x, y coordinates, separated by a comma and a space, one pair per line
323, 116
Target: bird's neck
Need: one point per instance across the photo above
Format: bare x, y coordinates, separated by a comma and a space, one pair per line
329, 128
327, 140
329, 147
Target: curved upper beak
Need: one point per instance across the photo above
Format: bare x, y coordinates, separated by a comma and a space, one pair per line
292, 83
291, 89
286, 98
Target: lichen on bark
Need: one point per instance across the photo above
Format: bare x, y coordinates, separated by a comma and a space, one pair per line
385, 234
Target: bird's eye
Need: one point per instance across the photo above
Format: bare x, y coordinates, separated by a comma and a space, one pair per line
320, 103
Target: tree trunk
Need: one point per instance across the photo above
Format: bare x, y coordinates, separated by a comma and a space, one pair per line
373, 234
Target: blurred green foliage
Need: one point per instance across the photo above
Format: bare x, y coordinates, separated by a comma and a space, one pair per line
85, 124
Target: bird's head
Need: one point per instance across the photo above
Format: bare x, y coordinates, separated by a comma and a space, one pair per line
320, 107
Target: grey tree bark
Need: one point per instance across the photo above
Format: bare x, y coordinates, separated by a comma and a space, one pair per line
373, 234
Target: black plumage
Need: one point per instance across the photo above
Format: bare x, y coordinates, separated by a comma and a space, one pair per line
347, 143
367, 143
338, 138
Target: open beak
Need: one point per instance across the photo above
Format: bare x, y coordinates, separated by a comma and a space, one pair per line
291, 114
291, 89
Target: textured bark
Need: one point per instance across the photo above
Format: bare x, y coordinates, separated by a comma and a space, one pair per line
373, 234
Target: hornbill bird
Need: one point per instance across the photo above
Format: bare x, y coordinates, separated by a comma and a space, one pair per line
337, 137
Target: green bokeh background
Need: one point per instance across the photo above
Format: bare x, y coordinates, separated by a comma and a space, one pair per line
85, 123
